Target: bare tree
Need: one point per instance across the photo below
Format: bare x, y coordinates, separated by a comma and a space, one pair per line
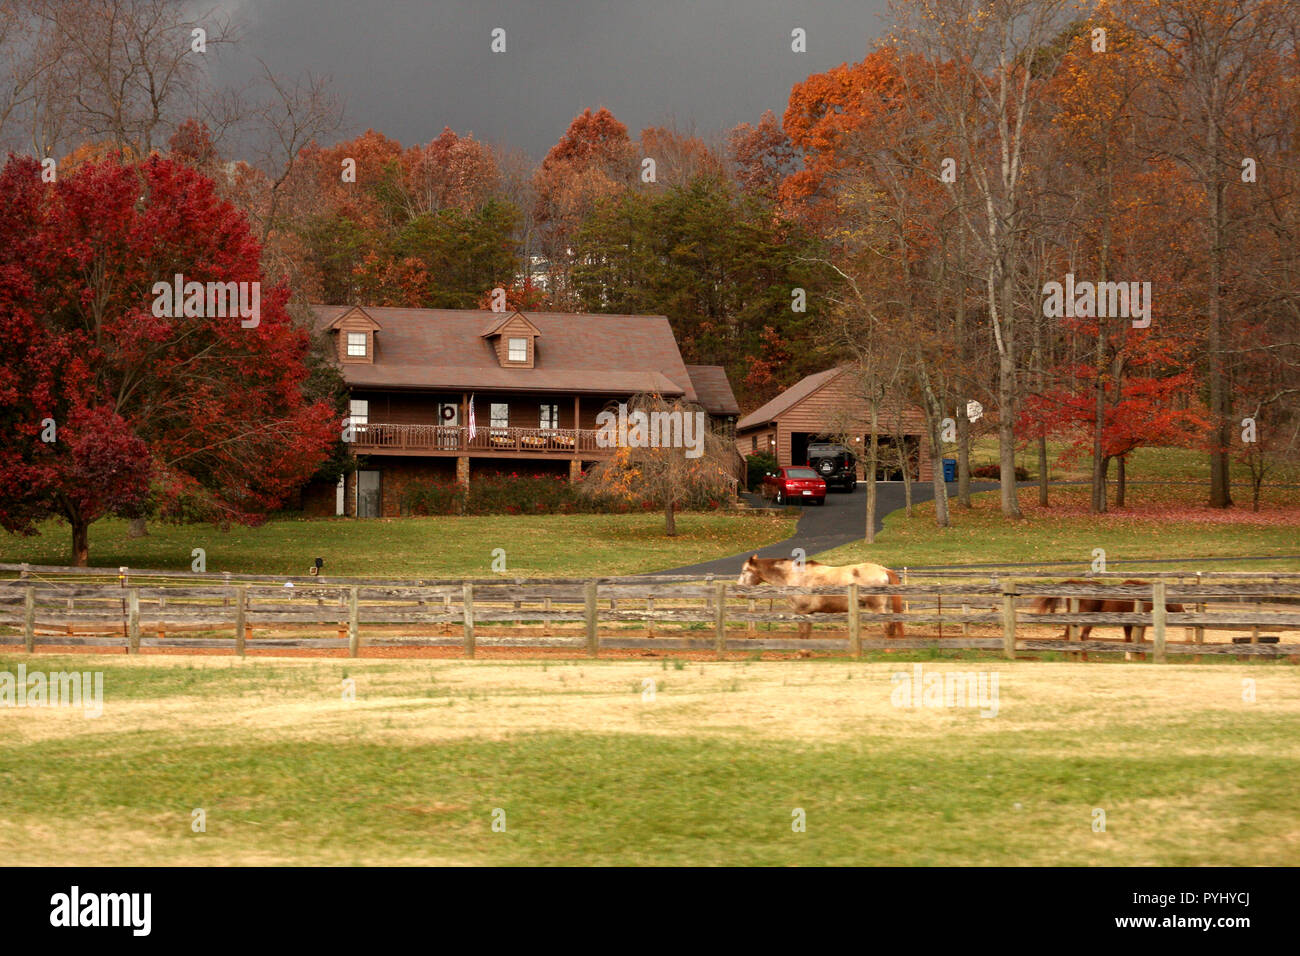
127, 71
292, 113
1215, 59
980, 66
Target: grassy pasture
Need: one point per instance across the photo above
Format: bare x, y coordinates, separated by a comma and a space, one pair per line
534, 545
1159, 522
710, 771
1144, 464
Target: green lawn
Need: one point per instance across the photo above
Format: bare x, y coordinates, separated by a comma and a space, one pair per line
712, 770
1159, 522
1144, 464
534, 545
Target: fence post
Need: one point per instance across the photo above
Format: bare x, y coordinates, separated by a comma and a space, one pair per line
1009, 619
589, 613
29, 619
354, 622
855, 622
752, 626
649, 622
241, 628
467, 616
965, 625
1138, 632
1198, 633
720, 617
1158, 620
133, 621
1073, 632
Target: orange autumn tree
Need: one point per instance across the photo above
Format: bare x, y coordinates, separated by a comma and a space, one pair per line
823, 112
593, 160
699, 469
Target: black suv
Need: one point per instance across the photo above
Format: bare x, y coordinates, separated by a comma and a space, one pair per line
835, 464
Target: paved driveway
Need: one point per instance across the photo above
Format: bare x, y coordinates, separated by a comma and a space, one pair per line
843, 519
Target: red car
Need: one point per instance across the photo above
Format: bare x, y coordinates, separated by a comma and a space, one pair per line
794, 483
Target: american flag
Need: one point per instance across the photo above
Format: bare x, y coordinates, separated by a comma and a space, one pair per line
472, 428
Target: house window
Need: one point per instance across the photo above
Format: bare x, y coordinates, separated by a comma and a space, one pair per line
518, 350
500, 415
550, 416
753, 445
357, 343
359, 410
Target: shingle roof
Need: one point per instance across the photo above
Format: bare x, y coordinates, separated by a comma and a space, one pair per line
713, 389
444, 349
791, 397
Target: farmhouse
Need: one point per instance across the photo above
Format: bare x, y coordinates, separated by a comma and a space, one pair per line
442, 394
829, 406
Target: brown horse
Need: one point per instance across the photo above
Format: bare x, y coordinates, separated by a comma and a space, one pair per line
784, 572
1046, 605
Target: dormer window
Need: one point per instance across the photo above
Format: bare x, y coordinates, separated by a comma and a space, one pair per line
514, 339
356, 336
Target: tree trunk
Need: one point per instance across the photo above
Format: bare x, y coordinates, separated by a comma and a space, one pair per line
1042, 471
1040, 361
1007, 436
905, 466
963, 456
872, 460
1099, 420
1119, 480
1005, 322
137, 529
670, 519
80, 543
934, 430
1220, 479
963, 421
941, 517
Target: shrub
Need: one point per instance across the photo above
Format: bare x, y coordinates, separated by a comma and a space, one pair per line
994, 472
432, 498
756, 466
523, 494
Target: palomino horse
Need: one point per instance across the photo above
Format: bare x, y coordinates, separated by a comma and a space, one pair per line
1046, 605
784, 572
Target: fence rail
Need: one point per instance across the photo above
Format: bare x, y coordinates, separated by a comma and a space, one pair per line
132, 605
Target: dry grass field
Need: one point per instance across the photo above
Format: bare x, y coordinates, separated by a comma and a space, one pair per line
586, 762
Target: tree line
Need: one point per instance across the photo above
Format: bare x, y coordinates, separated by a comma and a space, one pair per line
926, 212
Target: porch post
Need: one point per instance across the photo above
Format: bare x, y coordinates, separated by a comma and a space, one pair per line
575, 464
462, 461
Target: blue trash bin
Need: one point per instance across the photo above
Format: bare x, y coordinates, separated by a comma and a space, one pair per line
950, 469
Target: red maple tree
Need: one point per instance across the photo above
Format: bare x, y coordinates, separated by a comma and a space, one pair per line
188, 416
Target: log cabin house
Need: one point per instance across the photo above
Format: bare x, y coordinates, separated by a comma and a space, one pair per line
829, 406
535, 383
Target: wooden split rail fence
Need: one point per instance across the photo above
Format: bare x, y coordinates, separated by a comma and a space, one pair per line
141, 603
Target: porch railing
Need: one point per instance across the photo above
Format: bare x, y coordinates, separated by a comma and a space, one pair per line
454, 439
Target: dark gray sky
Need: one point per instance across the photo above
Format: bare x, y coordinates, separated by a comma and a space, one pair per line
410, 67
